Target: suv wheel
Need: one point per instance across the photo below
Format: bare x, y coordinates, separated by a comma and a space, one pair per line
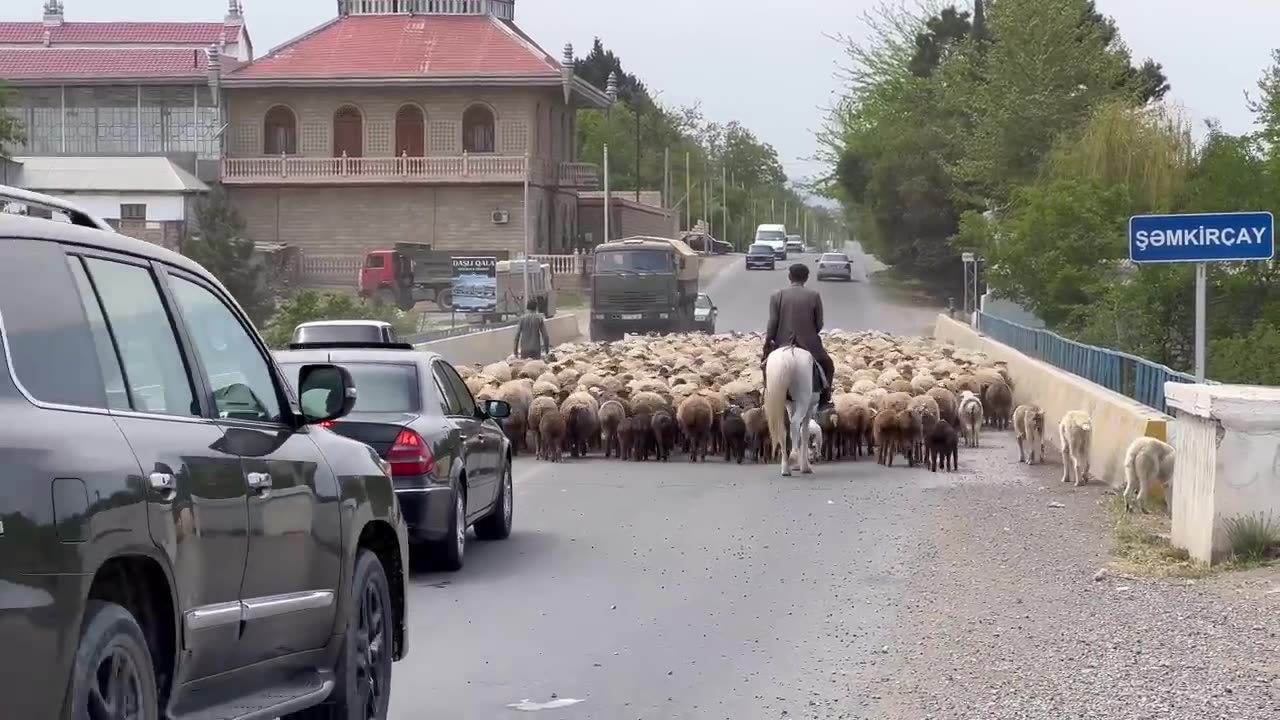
450, 550
497, 526
363, 689
113, 676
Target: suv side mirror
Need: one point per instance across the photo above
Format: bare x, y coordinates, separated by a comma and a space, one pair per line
497, 409
326, 393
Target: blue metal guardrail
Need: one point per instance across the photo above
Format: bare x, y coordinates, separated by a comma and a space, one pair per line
1126, 374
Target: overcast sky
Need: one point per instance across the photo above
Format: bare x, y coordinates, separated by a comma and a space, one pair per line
768, 63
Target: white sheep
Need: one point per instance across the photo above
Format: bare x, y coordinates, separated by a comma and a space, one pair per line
970, 417
1147, 461
1075, 430
1028, 426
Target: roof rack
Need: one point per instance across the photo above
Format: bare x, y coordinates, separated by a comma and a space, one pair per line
350, 345
76, 214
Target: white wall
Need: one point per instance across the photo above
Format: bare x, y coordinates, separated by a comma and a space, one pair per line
159, 207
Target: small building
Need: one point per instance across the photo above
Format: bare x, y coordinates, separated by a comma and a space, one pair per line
149, 198
408, 120
627, 216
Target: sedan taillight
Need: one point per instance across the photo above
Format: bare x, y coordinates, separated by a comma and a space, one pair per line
409, 455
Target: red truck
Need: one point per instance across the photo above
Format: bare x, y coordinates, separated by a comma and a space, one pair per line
413, 272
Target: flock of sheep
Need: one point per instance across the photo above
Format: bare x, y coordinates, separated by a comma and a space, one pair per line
646, 397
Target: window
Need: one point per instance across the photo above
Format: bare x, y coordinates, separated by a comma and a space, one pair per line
133, 211
103, 345
466, 404
374, 262
380, 388
239, 374
633, 261
477, 129
348, 132
411, 132
450, 402
280, 132
154, 371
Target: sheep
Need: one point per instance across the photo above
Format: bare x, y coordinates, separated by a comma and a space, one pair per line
733, 430
664, 433
642, 440
815, 441
1028, 427
758, 435
826, 423
500, 371
926, 411
942, 444
551, 431
532, 369
998, 404
612, 412
947, 405
970, 417
885, 430
537, 409
626, 436
1075, 430
695, 416
1147, 461
519, 395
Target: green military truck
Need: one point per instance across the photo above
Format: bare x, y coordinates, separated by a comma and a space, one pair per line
643, 284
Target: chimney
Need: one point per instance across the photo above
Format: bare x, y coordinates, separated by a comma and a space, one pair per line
566, 72
213, 59
53, 13
611, 89
235, 12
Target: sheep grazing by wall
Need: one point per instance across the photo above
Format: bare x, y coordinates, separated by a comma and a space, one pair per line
1147, 461
970, 412
1028, 427
551, 433
695, 416
1075, 430
942, 447
997, 404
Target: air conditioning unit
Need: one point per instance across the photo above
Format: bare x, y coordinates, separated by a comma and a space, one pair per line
500, 217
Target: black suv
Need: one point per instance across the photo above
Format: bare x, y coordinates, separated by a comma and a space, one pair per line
178, 538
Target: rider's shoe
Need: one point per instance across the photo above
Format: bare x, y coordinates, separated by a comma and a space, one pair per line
824, 401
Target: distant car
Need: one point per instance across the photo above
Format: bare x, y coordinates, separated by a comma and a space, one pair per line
343, 331
835, 265
795, 244
761, 255
775, 236
704, 314
450, 461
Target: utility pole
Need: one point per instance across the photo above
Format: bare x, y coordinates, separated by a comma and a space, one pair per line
688, 195
773, 209
785, 202
724, 183
666, 176
637, 152
606, 192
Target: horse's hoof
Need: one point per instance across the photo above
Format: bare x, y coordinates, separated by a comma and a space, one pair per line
807, 471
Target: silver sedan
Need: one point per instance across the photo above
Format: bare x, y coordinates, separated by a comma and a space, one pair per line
835, 265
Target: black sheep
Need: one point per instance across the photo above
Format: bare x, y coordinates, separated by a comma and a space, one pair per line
734, 431
943, 443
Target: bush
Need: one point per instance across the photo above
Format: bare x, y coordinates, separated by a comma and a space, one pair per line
311, 305
1252, 537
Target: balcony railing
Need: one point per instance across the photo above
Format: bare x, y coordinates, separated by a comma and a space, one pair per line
293, 170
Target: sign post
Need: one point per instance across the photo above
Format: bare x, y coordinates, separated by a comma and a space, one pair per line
1202, 238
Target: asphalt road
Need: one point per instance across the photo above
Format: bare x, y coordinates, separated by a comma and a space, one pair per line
709, 591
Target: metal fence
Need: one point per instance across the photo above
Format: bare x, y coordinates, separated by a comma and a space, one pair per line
1126, 374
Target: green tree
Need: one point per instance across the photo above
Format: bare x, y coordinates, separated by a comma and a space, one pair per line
217, 241
11, 130
312, 305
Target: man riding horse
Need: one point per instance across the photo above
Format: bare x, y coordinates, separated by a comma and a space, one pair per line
795, 318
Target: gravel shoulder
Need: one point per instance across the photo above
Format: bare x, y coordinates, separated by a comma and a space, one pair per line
1006, 616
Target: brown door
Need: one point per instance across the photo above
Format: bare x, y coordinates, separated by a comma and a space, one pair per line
411, 132
348, 132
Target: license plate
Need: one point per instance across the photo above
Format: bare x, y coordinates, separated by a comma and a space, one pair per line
634, 316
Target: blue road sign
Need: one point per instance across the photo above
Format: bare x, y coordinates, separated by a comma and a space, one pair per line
1209, 237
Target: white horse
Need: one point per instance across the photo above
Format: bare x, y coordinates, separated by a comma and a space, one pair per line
789, 371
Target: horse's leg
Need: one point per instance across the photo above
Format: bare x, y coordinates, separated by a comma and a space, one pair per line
801, 430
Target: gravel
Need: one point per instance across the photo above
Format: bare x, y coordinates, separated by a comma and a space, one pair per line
1011, 614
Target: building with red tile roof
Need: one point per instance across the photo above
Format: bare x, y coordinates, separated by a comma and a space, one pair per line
408, 120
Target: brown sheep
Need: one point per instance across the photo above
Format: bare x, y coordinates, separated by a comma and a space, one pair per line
757, 434
625, 438
641, 436
612, 412
695, 416
664, 433
537, 408
901, 386
947, 403
886, 430
997, 405
551, 432
734, 434
926, 410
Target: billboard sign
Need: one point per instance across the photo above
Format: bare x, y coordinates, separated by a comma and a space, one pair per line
475, 284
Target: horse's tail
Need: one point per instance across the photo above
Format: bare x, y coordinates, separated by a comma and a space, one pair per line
778, 373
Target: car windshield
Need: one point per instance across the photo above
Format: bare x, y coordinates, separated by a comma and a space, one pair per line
703, 302
770, 236
380, 387
633, 260
834, 257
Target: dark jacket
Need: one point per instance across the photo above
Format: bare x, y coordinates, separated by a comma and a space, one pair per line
531, 335
795, 315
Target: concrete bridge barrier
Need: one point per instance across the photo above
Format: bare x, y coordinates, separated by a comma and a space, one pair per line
1117, 420
490, 346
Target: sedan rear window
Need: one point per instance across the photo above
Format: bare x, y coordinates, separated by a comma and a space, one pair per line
834, 257
380, 387
761, 249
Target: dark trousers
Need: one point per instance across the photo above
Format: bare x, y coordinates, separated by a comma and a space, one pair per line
531, 354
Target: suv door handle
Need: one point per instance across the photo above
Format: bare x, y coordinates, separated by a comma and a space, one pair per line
165, 483
259, 482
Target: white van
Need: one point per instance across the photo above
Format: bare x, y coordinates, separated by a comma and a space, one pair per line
775, 236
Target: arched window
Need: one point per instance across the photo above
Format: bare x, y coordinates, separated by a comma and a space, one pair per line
348, 132
280, 132
477, 129
411, 132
